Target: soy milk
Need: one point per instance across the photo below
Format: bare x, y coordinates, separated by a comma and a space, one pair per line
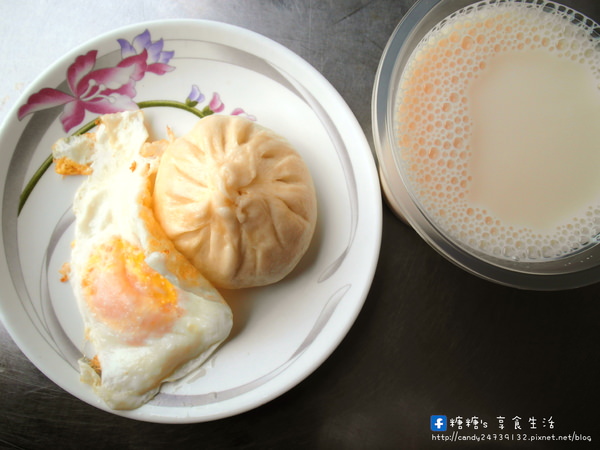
498, 126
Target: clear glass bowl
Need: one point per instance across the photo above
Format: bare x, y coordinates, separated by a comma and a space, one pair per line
576, 269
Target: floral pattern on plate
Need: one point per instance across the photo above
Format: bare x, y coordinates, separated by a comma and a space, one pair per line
108, 90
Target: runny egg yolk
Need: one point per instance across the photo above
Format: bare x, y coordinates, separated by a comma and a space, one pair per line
125, 293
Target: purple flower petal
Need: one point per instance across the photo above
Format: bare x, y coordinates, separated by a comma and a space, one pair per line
156, 59
154, 49
141, 41
165, 57
196, 95
127, 49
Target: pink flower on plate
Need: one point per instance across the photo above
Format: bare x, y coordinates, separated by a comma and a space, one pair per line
216, 105
241, 112
100, 91
157, 61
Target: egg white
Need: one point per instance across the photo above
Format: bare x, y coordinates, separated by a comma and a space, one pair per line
112, 203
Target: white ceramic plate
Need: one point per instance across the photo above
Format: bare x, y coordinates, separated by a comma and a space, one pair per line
281, 333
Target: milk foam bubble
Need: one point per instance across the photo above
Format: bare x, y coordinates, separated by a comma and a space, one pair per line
438, 130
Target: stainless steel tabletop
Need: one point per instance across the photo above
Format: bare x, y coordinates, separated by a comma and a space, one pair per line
430, 339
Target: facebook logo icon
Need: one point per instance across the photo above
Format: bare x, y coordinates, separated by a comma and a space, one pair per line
439, 423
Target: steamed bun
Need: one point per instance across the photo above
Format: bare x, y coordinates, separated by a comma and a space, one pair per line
237, 200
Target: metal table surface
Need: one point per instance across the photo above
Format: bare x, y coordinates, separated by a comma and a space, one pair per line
430, 339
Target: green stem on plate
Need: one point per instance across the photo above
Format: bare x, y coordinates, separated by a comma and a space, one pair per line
33, 181
174, 104
89, 126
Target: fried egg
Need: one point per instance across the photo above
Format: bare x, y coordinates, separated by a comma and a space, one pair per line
149, 315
